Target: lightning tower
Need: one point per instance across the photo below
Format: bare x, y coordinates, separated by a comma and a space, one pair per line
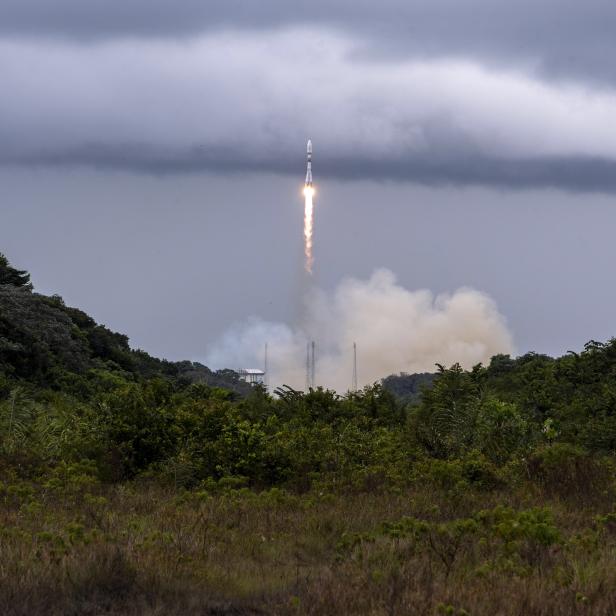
310, 365
354, 385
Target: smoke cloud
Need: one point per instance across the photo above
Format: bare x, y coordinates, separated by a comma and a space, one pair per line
396, 330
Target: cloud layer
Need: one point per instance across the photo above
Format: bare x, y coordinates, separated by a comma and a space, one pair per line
238, 101
560, 38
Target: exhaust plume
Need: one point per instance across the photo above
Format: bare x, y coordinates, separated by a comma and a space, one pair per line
308, 211
396, 330
308, 228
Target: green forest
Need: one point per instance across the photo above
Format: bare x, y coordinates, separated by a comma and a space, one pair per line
133, 485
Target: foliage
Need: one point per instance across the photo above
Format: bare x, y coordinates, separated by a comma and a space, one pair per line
408, 387
11, 276
46, 343
390, 500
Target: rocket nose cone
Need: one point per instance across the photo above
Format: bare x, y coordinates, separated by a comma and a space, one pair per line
309, 146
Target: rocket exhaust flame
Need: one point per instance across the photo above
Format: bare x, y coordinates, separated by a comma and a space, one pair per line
308, 227
308, 211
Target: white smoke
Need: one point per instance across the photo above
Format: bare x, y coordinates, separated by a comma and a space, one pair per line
396, 330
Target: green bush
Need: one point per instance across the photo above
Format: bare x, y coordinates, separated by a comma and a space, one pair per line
569, 471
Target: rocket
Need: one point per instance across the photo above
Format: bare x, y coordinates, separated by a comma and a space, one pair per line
309, 163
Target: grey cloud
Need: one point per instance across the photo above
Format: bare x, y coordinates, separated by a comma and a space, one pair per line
434, 168
235, 103
563, 38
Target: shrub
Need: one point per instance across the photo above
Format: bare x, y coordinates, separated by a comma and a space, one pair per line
566, 470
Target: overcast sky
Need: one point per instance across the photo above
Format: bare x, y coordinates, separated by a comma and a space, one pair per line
151, 155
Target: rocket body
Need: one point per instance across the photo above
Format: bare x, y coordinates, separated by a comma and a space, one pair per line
309, 163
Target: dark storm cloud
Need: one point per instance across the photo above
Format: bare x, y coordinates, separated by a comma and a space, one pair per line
564, 38
235, 101
575, 174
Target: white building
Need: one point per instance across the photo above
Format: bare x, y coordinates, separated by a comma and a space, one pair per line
253, 376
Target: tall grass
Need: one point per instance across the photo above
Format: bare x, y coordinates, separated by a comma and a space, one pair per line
73, 546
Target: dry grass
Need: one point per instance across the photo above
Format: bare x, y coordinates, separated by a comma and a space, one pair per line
143, 550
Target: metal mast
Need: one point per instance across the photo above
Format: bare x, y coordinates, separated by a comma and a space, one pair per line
265, 376
307, 367
354, 386
312, 367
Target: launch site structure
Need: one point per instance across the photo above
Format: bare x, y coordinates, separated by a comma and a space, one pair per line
253, 376
310, 365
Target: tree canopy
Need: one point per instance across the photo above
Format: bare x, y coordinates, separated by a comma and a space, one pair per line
12, 276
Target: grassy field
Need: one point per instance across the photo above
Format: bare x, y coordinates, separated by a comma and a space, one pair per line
74, 546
